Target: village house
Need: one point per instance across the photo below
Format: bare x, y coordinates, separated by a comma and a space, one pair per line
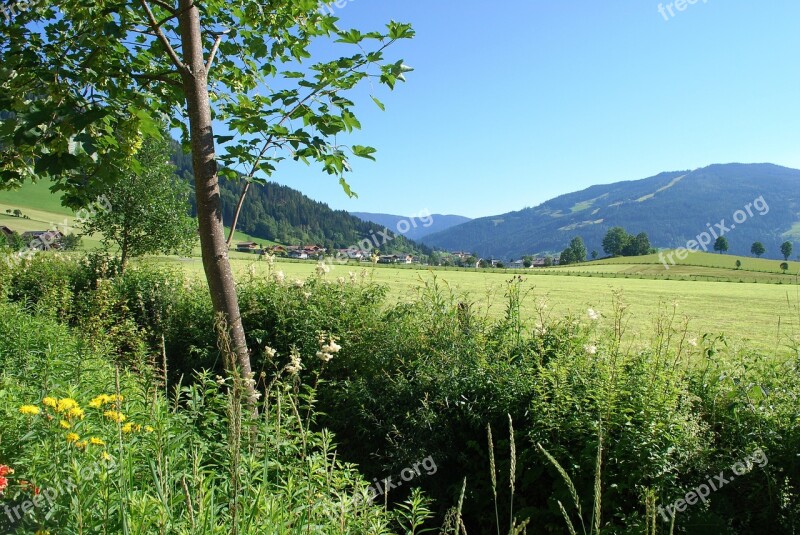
247, 247
43, 240
352, 254
396, 259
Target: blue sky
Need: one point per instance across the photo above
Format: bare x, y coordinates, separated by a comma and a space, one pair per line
512, 103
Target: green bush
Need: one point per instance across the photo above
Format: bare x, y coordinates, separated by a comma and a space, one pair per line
191, 462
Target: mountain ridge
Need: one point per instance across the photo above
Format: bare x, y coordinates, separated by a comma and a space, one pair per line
672, 207
416, 226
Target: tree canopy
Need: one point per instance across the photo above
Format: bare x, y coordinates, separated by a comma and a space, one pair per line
80, 82
149, 208
786, 249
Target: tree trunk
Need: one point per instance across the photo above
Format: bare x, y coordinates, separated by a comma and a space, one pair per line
209, 202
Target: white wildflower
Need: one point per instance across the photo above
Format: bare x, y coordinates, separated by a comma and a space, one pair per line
279, 277
295, 364
269, 352
323, 269
298, 283
590, 349
593, 314
693, 342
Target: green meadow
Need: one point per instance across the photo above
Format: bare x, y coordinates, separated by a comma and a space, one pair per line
763, 315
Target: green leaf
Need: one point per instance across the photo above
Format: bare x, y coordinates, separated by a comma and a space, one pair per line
364, 152
346, 187
379, 104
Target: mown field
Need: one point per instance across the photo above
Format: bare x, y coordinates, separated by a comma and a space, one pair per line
765, 316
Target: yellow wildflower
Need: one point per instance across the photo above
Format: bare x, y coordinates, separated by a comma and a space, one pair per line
97, 441
42, 532
72, 437
64, 424
29, 410
149, 429
75, 412
66, 404
107, 457
50, 402
81, 445
115, 416
104, 399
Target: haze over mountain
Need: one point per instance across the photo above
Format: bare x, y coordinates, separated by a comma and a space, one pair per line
419, 225
672, 208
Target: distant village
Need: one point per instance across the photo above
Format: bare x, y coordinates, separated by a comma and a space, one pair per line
437, 258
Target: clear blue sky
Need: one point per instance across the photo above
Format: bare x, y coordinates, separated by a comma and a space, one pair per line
515, 102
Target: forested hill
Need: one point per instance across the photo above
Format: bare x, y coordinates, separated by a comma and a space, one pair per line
672, 208
285, 215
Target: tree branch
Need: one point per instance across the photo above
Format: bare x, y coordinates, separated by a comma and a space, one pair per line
166, 6
163, 38
213, 53
161, 77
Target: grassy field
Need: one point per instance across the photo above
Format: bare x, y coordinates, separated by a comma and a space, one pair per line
696, 267
766, 316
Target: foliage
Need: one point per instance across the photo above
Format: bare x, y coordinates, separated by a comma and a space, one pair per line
148, 212
116, 453
721, 244
423, 378
139, 81
575, 253
617, 242
757, 249
786, 249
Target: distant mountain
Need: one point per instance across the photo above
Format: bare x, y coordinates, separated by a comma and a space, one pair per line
672, 208
285, 215
417, 226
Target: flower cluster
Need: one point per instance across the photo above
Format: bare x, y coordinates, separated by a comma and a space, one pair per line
4, 471
296, 364
327, 349
323, 269
104, 399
